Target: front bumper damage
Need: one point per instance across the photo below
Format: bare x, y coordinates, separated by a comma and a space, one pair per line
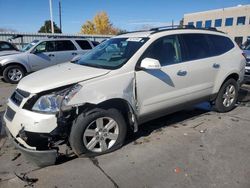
40, 158
37, 136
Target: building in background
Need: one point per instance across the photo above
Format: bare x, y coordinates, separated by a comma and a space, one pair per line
235, 21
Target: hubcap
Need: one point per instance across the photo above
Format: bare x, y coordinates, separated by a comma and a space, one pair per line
15, 74
101, 134
229, 95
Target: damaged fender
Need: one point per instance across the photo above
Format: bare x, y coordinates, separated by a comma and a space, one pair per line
109, 89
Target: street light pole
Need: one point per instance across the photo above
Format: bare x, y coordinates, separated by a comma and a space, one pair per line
51, 16
60, 15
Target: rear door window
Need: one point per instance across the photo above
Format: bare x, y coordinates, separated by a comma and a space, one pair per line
84, 44
195, 46
64, 45
220, 44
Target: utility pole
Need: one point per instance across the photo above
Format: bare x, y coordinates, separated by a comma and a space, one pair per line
51, 16
60, 16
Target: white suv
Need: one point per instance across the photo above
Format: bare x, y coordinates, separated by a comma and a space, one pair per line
40, 54
132, 78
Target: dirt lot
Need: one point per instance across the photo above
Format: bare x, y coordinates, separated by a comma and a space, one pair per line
192, 148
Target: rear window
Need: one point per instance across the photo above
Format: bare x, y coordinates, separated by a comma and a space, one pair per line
195, 46
220, 44
84, 44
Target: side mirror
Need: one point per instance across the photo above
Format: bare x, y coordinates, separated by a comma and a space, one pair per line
150, 64
75, 59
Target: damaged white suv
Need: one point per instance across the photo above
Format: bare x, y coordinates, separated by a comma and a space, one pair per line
90, 104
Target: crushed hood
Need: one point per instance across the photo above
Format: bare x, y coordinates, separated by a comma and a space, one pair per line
58, 76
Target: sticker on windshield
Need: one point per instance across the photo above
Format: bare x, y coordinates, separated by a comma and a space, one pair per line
134, 39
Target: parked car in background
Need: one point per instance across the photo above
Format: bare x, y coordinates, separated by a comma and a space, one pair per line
246, 51
7, 48
40, 54
125, 81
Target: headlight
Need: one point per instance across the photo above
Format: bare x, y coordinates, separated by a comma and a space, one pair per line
52, 103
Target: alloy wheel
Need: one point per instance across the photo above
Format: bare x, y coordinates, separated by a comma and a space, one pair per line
15, 74
101, 134
229, 95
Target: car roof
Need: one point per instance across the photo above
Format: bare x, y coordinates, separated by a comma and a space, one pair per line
141, 34
155, 31
63, 38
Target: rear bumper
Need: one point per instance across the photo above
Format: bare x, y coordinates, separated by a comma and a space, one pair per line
40, 158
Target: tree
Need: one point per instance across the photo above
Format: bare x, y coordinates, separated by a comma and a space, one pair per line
88, 28
46, 28
100, 25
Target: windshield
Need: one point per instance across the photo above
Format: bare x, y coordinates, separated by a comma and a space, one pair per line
112, 53
30, 45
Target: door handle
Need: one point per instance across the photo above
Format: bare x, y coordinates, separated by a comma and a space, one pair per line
74, 53
216, 65
51, 55
182, 73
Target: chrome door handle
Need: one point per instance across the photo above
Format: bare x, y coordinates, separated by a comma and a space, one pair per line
182, 73
216, 65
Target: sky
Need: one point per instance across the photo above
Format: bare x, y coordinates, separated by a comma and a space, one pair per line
29, 15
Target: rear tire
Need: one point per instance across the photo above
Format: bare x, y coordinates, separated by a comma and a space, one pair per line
227, 96
99, 132
13, 74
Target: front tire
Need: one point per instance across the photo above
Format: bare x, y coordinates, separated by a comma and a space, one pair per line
13, 74
227, 96
99, 132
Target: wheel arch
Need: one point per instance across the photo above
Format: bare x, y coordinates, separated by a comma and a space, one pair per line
118, 103
15, 63
125, 108
233, 75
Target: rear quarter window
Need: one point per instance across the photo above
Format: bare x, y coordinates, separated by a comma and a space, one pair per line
84, 44
95, 43
220, 44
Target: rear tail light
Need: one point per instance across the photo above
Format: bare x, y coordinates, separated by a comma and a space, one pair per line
244, 55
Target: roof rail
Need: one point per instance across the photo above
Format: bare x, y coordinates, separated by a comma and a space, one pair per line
175, 27
58, 37
172, 27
